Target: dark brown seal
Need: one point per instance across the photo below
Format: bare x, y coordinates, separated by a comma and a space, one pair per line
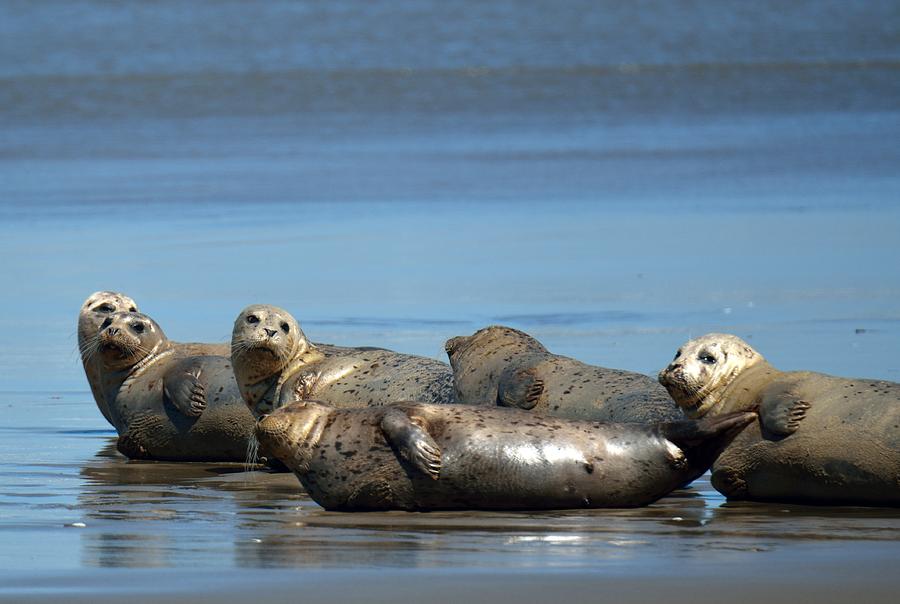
503, 366
415, 456
820, 439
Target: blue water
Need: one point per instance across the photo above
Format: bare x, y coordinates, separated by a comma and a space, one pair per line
612, 177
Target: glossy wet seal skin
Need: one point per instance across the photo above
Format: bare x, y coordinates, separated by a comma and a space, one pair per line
503, 366
820, 439
164, 402
416, 456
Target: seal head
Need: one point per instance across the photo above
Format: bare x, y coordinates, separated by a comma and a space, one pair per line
267, 347
481, 360
704, 368
127, 339
94, 311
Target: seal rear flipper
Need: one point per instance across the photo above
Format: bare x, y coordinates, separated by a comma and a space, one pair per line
519, 388
184, 388
704, 439
412, 442
781, 411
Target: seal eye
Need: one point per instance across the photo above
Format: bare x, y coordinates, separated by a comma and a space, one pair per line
285, 327
106, 323
138, 327
677, 354
252, 319
106, 307
706, 358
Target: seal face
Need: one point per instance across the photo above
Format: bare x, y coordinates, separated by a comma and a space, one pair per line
416, 456
94, 311
275, 363
704, 368
502, 366
820, 439
164, 402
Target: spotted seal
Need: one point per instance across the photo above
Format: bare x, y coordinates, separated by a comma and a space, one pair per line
275, 363
503, 366
164, 402
94, 311
820, 439
418, 456
101, 304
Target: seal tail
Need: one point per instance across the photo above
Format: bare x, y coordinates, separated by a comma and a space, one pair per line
703, 440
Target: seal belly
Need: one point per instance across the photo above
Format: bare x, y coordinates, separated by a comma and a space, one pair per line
413, 456
845, 450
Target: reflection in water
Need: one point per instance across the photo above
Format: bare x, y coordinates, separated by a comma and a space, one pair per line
147, 514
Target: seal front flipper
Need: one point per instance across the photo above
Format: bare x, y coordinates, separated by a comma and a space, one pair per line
781, 410
519, 388
185, 390
412, 442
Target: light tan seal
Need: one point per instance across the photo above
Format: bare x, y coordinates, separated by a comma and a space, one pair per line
101, 304
419, 457
165, 403
504, 366
94, 311
275, 364
820, 439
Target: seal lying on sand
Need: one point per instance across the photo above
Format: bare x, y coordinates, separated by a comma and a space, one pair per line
504, 366
820, 439
165, 403
415, 456
275, 364
100, 305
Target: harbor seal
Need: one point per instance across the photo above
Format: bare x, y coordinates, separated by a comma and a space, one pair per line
419, 457
503, 366
167, 404
820, 439
94, 311
275, 364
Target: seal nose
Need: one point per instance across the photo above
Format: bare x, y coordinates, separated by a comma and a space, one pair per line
112, 330
452, 344
270, 332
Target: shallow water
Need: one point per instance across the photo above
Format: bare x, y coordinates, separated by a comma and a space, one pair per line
612, 177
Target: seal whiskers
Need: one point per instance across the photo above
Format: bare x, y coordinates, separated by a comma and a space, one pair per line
819, 439
252, 459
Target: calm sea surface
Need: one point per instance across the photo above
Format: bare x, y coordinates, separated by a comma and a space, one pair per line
611, 177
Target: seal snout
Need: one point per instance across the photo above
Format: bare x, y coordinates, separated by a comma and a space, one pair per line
672, 375
452, 345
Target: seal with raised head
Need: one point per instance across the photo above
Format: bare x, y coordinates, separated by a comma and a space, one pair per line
820, 439
165, 403
504, 366
416, 456
94, 311
275, 364
101, 304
